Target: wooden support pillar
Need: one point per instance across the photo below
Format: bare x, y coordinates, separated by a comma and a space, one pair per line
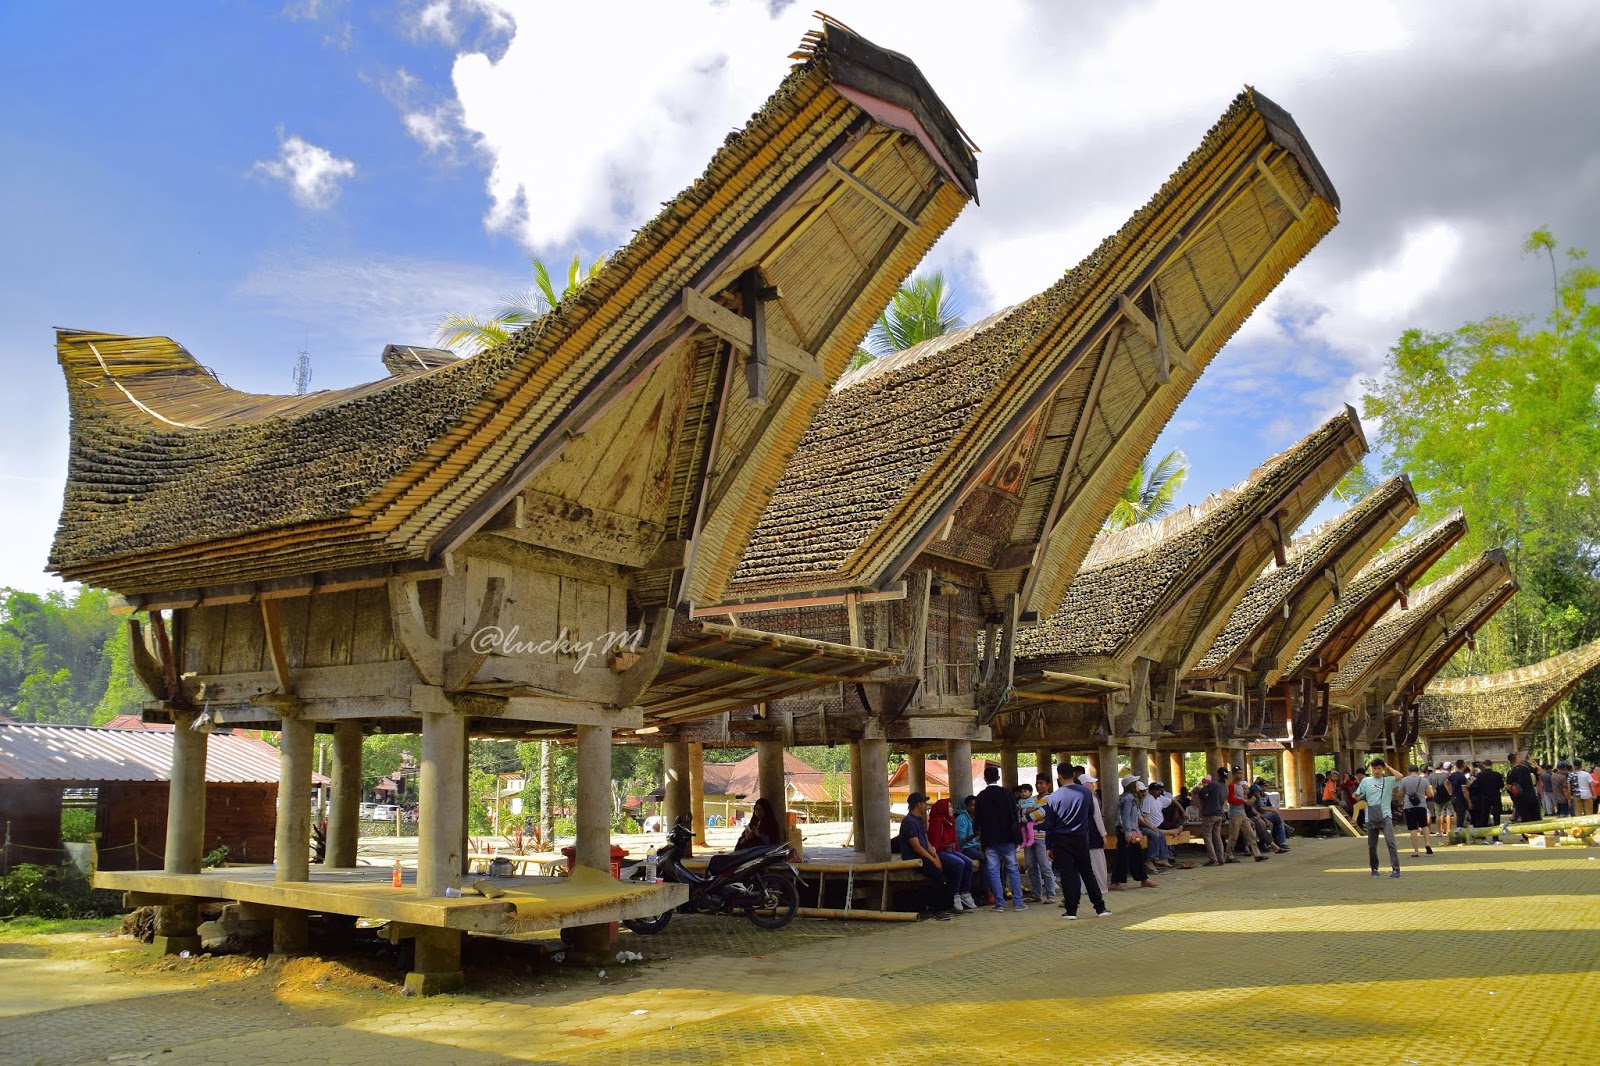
697, 792
441, 802
1177, 773
176, 924
1288, 777
1045, 765
1306, 760
875, 799
1008, 768
858, 839
292, 849
958, 756
343, 812
1092, 761
917, 771
771, 782
1143, 765
675, 802
1110, 784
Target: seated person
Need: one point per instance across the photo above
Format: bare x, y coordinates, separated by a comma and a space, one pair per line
913, 843
957, 867
763, 828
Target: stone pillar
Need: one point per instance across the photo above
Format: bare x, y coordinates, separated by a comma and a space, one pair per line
697, 792
875, 799
857, 837
1092, 761
1110, 785
1142, 765
1045, 765
438, 963
176, 924
1215, 757
916, 771
1008, 767
343, 812
770, 780
958, 756
441, 801
1177, 774
292, 848
676, 800
593, 850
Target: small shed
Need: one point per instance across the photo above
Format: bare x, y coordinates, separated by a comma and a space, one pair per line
122, 774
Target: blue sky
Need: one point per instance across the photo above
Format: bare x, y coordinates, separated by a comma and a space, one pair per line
253, 178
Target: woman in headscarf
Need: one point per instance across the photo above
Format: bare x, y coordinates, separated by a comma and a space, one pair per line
957, 867
763, 828
967, 835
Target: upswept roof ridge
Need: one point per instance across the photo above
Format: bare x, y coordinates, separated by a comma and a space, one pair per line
175, 480
1376, 581
1109, 603
894, 444
1511, 700
1308, 556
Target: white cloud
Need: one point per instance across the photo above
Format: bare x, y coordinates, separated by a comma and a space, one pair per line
312, 172
432, 128
433, 20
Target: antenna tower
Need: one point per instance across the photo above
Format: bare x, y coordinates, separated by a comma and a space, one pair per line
302, 373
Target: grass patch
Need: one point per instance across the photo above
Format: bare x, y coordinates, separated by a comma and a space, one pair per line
29, 925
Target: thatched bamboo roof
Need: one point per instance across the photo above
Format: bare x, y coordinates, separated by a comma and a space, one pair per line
1512, 701
1285, 601
1373, 591
1171, 583
989, 417
1393, 649
177, 481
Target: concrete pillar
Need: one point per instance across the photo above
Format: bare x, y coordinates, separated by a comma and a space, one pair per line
1092, 761
1288, 778
697, 792
958, 755
858, 839
917, 771
770, 779
1045, 765
186, 798
675, 802
594, 797
343, 830
292, 848
1177, 775
1143, 766
875, 799
438, 963
1008, 767
1110, 784
441, 802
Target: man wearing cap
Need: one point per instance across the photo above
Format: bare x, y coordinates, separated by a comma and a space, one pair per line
1239, 817
1377, 789
1212, 799
1068, 822
1131, 838
913, 844
1152, 811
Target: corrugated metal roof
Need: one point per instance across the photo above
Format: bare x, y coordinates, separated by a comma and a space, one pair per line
31, 752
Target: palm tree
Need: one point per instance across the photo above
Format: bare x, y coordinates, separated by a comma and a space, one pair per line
1149, 493
921, 310
470, 334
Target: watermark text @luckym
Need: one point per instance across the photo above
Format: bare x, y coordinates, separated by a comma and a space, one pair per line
498, 641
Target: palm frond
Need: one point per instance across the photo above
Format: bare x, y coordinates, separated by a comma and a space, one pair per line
469, 334
1150, 493
921, 310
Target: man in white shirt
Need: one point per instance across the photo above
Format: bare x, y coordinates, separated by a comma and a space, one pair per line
1377, 789
1151, 810
1581, 784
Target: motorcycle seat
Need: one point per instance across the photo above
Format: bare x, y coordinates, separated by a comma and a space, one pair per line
718, 863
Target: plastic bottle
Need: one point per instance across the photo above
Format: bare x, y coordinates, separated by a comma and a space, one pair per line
397, 873
650, 868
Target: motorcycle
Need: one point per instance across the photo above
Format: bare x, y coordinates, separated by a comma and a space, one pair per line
757, 881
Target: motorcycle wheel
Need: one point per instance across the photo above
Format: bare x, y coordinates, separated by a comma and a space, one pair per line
780, 900
649, 926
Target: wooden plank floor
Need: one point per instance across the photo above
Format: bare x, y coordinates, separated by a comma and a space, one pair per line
367, 892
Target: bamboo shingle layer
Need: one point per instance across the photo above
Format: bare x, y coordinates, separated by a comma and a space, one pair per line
1286, 600
1512, 701
1145, 577
176, 481
1061, 378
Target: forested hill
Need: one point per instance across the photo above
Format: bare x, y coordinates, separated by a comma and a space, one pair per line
64, 659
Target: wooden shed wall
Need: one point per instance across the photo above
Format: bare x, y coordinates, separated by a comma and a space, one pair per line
30, 811
242, 816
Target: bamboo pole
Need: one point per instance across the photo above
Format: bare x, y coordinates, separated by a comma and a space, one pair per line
857, 915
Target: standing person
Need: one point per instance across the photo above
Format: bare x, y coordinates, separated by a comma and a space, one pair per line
1130, 838
1069, 812
1547, 789
1580, 783
956, 866
1239, 818
1414, 793
999, 832
1459, 801
913, 844
1524, 789
1378, 791
1439, 799
1564, 779
1097, 839
1041, 879
1487, 787
1212, 799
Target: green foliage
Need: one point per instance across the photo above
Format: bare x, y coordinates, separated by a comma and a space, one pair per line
1501, 418
1150, 492
830, 760
214, 859
381, 755
77, 823
921, 310
54, 892
470, 334
54, 663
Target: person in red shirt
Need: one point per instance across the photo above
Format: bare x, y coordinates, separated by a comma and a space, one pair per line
957, 867
1239, 816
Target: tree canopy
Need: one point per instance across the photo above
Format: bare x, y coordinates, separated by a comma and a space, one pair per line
1150, 492
1502, 418
921, 309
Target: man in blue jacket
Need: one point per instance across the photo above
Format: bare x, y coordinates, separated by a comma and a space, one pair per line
1068, 822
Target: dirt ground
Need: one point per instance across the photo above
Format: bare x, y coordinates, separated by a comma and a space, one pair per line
1303, 959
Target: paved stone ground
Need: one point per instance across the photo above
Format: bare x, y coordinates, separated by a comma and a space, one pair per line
1303, 959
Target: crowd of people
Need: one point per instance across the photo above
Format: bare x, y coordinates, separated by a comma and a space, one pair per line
969, 853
